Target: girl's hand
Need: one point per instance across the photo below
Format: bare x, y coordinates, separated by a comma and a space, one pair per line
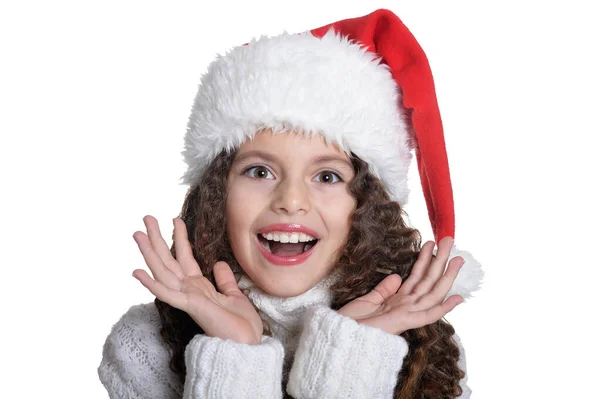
226, 313
395, 307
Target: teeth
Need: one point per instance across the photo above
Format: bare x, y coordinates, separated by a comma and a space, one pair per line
266, 245
288, 237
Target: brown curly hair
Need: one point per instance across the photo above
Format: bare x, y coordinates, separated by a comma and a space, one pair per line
379, 243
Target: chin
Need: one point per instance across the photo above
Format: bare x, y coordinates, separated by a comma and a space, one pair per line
284, 292
286, 281
281, 288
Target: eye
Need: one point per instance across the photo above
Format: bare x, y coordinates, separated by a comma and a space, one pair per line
259, 172
328, 177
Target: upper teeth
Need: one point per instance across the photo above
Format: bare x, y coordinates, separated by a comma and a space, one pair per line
288, 237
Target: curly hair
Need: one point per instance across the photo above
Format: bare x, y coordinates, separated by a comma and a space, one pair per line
379, 243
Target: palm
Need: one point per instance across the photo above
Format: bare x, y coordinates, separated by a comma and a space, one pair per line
396, 307
237, 317
225, 313
360, 308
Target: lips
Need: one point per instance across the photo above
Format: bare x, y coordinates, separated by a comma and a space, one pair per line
280, 259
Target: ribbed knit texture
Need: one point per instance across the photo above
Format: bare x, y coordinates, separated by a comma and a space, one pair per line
135, 359
339, 358
333, 356
218, 368
284, 315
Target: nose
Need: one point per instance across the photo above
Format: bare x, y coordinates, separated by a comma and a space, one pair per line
291, 197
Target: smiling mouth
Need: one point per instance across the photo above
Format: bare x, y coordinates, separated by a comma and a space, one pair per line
286, 249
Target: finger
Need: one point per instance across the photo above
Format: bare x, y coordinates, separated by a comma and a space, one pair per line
441, 289
161, 247
160, 272
431, 315
159, 290
183, 249
225, 280
435, 269
418, 269
382, 291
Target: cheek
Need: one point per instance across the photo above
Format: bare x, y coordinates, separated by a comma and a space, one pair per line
338, 212
236, 206
242, 208
343, 220
234, 211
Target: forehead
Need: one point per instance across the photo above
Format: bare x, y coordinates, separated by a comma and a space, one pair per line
291, 143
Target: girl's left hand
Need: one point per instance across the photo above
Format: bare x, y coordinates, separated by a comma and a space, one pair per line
396, 307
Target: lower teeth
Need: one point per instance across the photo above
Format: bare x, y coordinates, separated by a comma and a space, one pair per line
266, 245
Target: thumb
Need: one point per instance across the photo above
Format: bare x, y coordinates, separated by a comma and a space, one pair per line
225, 279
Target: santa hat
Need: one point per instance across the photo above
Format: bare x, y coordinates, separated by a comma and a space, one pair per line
362, 83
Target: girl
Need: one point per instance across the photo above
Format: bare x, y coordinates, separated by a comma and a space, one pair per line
293, 272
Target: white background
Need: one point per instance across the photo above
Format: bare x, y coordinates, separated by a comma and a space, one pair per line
94, 100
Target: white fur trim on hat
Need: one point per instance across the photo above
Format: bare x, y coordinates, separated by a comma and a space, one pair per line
470, 276
298, 82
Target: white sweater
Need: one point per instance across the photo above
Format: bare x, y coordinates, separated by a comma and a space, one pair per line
332, 355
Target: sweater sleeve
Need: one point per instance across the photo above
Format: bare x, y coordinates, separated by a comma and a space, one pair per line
135, 361
218, 368
339, 358
135, 364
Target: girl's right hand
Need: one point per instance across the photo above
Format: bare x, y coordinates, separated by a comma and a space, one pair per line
226, 313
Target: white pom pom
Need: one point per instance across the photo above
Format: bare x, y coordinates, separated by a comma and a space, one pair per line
469, 277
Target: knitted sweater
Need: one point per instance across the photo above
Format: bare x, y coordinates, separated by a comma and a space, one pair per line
331, 356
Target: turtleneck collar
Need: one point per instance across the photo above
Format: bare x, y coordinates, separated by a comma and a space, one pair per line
287, 312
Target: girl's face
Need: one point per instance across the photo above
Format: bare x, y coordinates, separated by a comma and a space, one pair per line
289, 210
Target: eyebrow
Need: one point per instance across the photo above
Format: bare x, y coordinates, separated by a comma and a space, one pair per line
321, 159
318, 160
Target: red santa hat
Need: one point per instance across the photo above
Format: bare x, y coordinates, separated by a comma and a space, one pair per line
362, 83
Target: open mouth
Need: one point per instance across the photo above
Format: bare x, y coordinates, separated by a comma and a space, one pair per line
285, 245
